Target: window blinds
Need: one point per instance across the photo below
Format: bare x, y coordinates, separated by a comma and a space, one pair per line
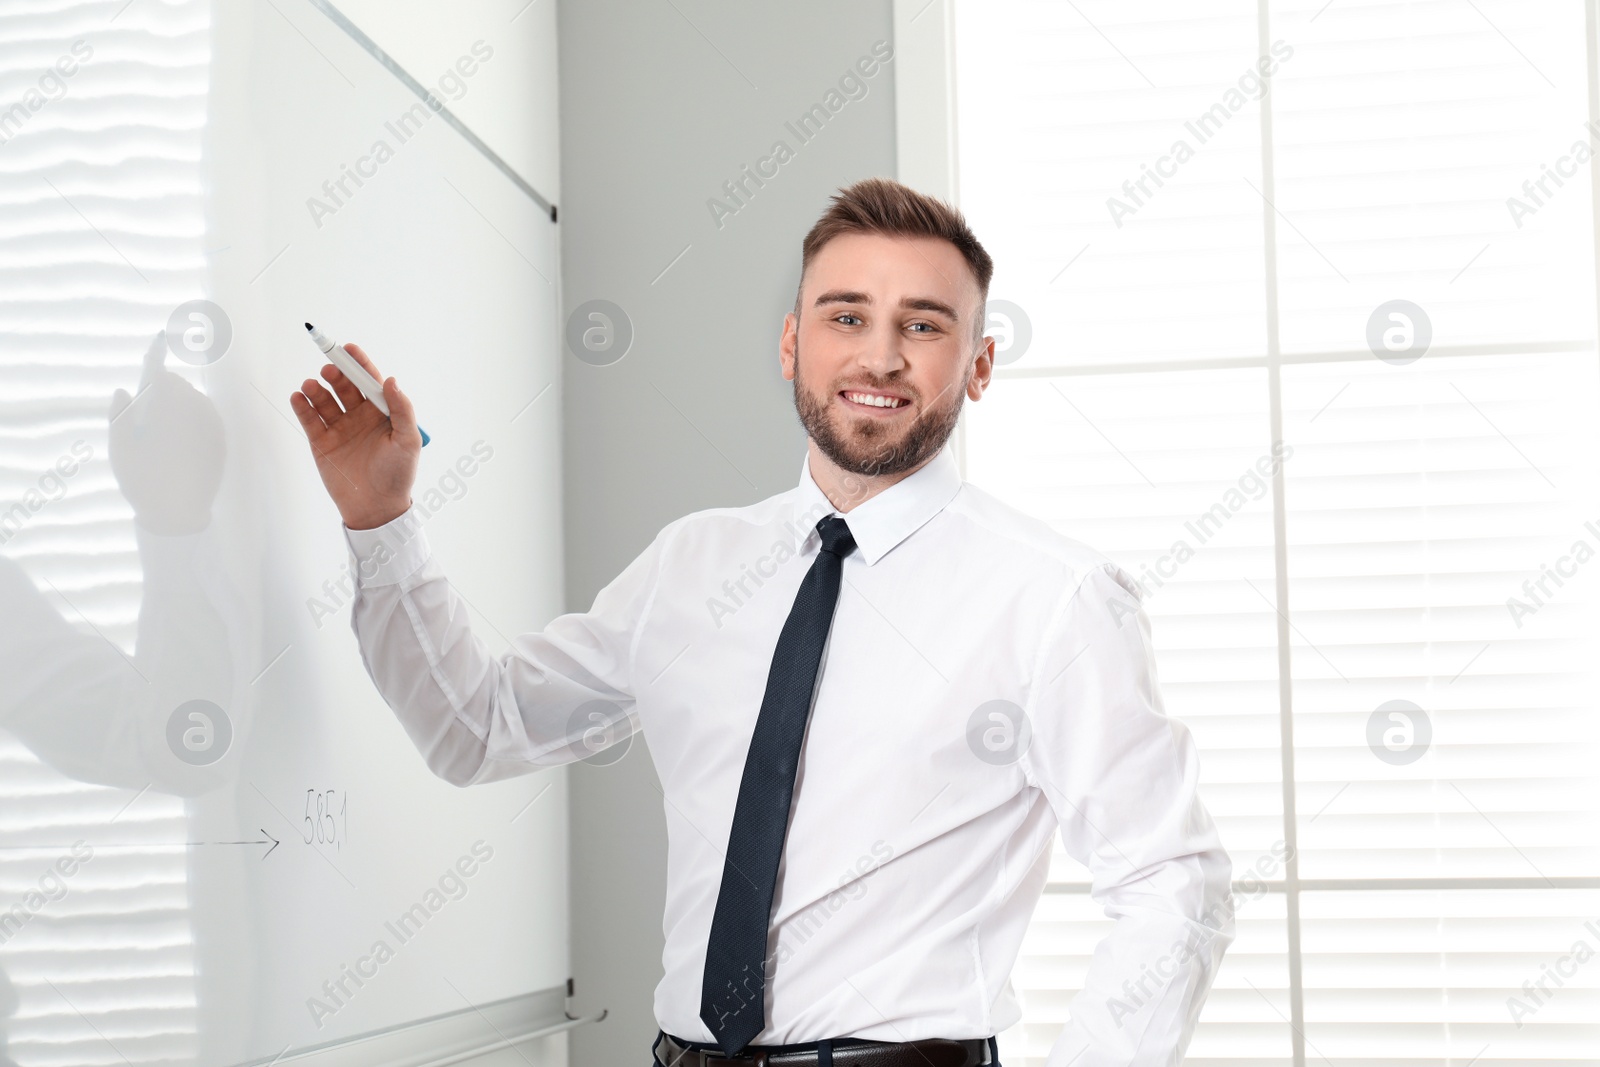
101, 236
1202, 279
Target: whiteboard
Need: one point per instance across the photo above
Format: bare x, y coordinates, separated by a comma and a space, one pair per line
209, 819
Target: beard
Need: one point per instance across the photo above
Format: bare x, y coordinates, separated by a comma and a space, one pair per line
867, 446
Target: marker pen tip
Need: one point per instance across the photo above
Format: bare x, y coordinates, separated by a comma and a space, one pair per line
310, 327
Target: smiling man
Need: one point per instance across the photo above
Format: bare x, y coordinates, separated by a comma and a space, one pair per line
912, 691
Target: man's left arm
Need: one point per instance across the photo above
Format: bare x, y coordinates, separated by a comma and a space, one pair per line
1122, 779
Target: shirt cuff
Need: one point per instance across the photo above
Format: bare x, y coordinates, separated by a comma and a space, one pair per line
388, 554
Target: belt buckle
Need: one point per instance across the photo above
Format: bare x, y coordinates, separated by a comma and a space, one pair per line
685, 1057
705, 1057
716, 1058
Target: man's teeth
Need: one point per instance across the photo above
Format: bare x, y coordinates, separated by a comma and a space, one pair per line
875, 401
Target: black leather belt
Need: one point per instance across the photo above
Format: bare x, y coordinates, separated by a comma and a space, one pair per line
841, 1052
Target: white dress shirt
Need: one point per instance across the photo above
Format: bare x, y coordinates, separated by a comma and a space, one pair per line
987, 683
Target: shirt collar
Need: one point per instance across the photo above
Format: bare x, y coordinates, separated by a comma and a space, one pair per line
891, 516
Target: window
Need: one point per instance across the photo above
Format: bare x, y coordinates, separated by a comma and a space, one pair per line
1318, 366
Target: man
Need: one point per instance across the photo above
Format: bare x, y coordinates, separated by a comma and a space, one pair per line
872, 700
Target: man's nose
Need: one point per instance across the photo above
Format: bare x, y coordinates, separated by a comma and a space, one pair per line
882, 354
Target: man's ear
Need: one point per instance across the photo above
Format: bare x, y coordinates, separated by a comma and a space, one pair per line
786, 345
982, 370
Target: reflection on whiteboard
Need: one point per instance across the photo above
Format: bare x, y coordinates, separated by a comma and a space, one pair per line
215, 842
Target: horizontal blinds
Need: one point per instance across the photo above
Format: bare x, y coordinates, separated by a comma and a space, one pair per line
101, 236
1401, 132
1056, 111
1412, 523
1458, 977
1420, 494
100, 961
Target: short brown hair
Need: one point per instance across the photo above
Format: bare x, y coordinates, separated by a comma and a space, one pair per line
885, 206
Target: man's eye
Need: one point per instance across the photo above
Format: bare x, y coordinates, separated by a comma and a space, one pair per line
929, 325
845, 315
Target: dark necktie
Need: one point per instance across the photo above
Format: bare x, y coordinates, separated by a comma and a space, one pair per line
731, 998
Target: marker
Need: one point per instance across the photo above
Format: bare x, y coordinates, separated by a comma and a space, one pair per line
370, 387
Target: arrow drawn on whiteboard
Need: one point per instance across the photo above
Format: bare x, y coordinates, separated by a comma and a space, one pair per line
149, 847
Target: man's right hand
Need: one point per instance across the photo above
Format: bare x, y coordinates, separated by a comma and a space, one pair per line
368, 462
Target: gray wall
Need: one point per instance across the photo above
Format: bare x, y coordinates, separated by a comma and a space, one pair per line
661, 103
